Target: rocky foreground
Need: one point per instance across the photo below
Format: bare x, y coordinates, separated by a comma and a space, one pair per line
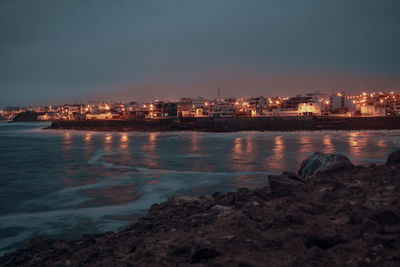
330, 213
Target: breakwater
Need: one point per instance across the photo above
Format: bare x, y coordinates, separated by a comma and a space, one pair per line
233, 124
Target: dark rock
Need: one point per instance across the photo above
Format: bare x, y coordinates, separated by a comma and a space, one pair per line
245, 264
393, 158
26, 116
204, 254
387, 217
182, 251
282, 185
321, 240
320, 163
315, 252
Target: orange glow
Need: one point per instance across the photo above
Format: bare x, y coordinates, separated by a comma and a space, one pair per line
327, 102
124, 141
329, 148
88, 137
124, 137
275, 162
108, 138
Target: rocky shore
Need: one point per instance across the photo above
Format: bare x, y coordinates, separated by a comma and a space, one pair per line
329, 213
301, 123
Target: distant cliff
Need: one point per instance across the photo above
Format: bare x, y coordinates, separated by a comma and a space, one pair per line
233, 124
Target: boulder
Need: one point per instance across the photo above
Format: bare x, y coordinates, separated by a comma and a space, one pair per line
393, 158
320, 163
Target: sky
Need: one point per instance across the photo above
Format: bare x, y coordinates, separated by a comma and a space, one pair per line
67, 51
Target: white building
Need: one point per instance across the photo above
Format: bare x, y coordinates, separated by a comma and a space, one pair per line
307, 109
102, 116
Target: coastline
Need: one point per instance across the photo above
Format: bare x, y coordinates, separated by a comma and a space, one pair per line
348, 215
233, 124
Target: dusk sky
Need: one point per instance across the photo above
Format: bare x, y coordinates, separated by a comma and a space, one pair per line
71, 51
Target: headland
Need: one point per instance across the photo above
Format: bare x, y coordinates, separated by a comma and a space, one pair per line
331, 213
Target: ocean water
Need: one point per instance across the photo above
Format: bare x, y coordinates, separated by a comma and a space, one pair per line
62, 184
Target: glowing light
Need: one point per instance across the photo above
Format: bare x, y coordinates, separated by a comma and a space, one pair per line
327, 102
88, 137
124, 137
108, 138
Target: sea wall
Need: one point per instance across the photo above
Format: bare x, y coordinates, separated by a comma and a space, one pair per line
356, 123
191, 124
233, 124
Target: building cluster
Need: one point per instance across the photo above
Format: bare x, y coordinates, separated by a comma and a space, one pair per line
311, 104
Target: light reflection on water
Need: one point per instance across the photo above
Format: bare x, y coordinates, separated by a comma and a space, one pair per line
329, 147
58, 179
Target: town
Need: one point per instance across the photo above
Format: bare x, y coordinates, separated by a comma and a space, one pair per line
366, 104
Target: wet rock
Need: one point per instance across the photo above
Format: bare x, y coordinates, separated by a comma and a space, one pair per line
393, 158
320, 163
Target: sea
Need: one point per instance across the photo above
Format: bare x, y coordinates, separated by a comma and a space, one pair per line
63, 183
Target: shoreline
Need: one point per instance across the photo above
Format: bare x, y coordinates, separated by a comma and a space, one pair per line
327, 214
233, 124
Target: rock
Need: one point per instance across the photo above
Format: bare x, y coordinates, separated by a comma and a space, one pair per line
320, 163
282, 185
228, 237
181, 251
26, 116
204, 254
393, 158
387, 217
321, 240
